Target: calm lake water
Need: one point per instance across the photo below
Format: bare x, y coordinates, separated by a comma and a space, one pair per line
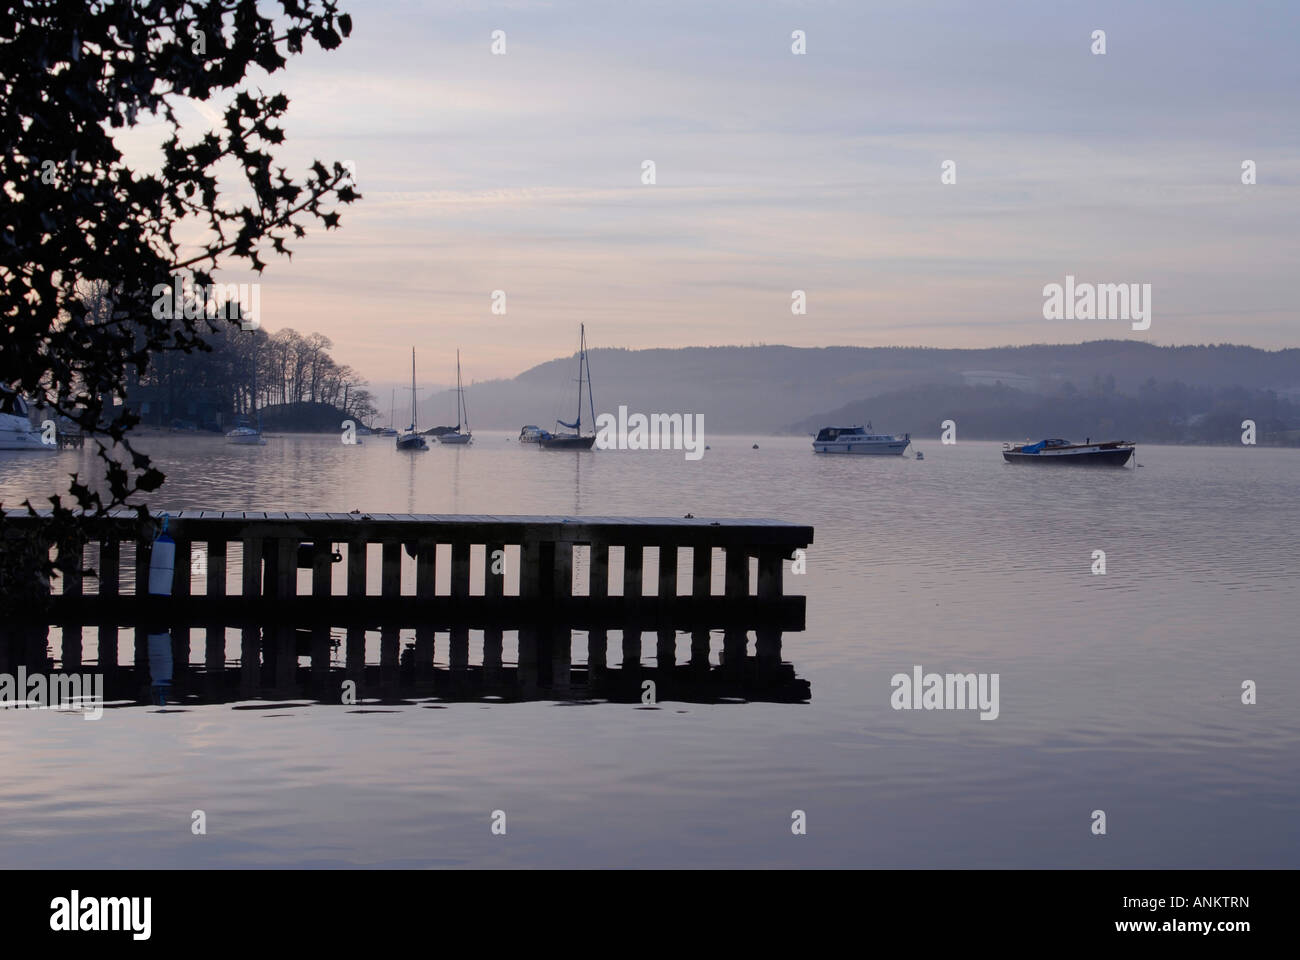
1119, 692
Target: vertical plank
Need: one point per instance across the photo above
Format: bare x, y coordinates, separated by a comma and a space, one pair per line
667, 570
666, 650
71, 646
494, 587
599, 570
109, 570
562, 577
530, 552
356, 568
700, 650
701, 570
183, 568
110, 559
426, 588
736, 583
182, 571
250, 634
494, 580
562, 660
143, 552
322, 584
633, 566
355, 651
460, 570
771, 573
391, 570
286, 568
214, 652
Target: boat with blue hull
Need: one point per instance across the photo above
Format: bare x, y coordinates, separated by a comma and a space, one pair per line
1058, 452
576, 440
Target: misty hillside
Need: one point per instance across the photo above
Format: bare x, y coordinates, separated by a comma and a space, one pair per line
775, 389
1155, 413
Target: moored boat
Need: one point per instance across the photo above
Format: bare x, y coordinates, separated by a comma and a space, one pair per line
575, 440
412, 439
16, 430
860, 441
246, 436
1112, 453
455, 436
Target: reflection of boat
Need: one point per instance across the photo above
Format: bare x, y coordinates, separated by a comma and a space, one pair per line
462, 414
532, 434
1112, 453
411, 439
16, 430
575, 440
860, 440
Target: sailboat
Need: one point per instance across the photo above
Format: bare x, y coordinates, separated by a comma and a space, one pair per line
246, 434
462, 414
410, 439
575, 440
390, 430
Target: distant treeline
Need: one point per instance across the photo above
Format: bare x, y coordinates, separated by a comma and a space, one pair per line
299, 386
1154, 413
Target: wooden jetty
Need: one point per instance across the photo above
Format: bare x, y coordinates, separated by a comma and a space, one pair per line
283, 581
273, 545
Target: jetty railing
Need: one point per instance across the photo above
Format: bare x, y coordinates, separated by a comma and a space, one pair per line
273, 546
285, 580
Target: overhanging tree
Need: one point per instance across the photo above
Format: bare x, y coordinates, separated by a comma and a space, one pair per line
74, 216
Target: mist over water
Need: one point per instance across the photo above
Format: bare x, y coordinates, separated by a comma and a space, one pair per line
1118, 692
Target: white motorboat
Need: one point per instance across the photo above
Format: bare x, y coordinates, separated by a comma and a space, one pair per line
247, 436
860, 441
16, 430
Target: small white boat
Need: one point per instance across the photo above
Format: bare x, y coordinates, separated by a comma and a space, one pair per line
16, 430
531, 433
860, 441
247, 436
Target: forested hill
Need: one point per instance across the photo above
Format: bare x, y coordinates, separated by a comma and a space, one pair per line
775, 389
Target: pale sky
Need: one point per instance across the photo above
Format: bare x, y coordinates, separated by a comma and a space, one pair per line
777, 172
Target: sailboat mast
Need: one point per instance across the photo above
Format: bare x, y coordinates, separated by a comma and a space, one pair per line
582, 346
413, 389
591, 396
459, 394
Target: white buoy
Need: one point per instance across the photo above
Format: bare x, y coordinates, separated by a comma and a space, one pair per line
162, 564
162, 567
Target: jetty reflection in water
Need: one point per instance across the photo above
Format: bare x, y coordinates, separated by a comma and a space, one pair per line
333, 666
